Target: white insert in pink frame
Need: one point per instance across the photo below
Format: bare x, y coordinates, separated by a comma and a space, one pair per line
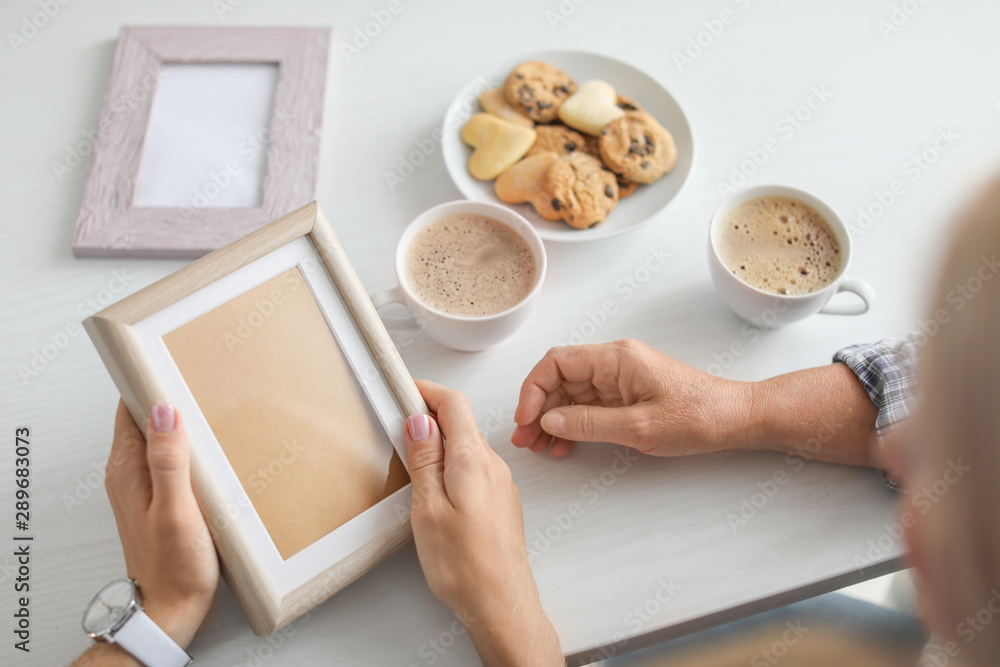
232, 187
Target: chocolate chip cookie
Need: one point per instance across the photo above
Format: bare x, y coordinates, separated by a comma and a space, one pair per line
625, 187
559, 139
638, 148
583, 191
537, 89
627, 103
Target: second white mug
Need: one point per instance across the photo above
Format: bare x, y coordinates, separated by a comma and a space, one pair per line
774, 310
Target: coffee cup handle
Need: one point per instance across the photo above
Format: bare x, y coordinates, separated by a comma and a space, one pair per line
386, 297
854, 286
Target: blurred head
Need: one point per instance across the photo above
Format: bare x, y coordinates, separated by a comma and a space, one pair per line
949, 453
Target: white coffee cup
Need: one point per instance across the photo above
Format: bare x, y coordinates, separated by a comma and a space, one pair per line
775, 310
456, 331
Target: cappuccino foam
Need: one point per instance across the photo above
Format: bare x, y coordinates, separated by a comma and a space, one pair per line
779, 245
470, 265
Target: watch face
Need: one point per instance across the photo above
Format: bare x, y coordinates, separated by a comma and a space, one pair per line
108, 607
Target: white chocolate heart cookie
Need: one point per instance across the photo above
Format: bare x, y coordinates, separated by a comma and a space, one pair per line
591, 107
499, 144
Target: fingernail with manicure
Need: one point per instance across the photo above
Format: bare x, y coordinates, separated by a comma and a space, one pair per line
163, 417
419, 427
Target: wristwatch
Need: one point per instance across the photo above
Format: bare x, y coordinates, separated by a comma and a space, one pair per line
115, 615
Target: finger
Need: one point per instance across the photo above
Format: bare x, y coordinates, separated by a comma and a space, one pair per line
525, 436
541, 381
425, 458
571, 370
468, 458
452, 410
591, 423
541, 443
529, 433
168, 455
561, 447
127, 459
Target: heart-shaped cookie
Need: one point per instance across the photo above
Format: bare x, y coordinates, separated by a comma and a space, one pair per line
522, 182
499, 144
492, 101
591, 107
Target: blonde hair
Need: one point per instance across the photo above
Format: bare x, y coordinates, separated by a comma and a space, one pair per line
958, 421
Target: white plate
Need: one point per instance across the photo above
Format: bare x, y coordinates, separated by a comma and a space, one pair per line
631, 213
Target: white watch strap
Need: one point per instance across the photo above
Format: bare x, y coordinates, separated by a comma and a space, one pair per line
150, 645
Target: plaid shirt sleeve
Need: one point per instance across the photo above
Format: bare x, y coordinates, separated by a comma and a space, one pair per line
887, 372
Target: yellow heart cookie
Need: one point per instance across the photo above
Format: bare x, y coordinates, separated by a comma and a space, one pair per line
591, 107
494, 102
499, 143
522, 182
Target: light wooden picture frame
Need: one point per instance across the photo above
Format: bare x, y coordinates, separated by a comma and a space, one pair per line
272, 587
110, 225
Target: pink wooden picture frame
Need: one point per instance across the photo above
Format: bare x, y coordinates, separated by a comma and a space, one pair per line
110, 225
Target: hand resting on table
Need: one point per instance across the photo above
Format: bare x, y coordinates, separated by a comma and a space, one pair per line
629, 393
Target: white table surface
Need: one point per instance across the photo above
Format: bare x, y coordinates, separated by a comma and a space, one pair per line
658, 522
